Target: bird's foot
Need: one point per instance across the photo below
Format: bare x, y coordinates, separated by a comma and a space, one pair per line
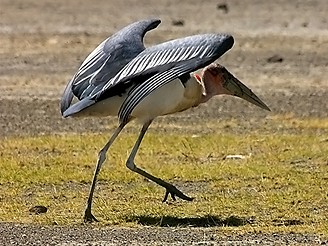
173, 191
88, 217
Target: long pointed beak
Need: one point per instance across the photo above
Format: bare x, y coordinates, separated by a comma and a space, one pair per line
237, 88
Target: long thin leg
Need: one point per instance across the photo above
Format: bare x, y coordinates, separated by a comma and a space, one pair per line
88, 216
170, 189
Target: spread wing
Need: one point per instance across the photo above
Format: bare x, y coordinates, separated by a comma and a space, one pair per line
166, 63
157, 66
106, 61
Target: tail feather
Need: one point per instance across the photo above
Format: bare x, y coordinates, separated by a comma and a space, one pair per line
67, 97
78, 107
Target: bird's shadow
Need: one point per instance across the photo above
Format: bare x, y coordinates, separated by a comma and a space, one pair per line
204, 221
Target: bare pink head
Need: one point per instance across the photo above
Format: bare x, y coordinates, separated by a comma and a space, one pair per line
218, 80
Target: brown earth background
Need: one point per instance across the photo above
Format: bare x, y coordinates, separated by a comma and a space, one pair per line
280, 51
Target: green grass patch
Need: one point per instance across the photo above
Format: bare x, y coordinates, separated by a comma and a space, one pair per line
281, 185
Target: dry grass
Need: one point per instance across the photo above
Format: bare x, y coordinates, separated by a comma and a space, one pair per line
280, 186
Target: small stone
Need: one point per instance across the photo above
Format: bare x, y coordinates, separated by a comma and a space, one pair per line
178, 22
234, 157
39, 209
223, 7
275, 59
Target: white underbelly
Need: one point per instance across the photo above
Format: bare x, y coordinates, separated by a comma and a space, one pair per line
106, 107
160, 102
170, 98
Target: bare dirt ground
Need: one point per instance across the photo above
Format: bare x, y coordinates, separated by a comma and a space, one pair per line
43, 42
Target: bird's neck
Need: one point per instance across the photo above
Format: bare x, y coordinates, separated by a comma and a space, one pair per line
209, 91
205, 98
206, 88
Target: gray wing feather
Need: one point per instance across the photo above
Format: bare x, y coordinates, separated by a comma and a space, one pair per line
173, 51
106, 60
193, 58
157, 66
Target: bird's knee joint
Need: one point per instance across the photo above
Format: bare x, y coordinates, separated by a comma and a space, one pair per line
130, 164
101, 157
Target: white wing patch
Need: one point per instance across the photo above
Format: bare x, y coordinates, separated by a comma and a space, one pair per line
144, 62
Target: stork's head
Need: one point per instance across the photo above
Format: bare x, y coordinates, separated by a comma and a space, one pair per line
218, 80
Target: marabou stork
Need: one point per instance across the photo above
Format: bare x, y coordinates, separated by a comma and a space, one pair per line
121, 77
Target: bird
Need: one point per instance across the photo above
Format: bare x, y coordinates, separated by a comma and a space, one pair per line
123, 78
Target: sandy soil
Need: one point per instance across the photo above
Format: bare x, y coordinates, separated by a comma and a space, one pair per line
43, 43
91, 236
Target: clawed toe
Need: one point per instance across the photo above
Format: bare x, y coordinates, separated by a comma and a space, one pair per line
167, 193
173, 191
